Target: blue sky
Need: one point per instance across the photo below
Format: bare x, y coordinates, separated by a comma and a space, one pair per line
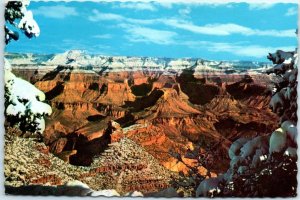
233, 31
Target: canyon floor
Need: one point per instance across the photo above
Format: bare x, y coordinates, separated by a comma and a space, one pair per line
139, 130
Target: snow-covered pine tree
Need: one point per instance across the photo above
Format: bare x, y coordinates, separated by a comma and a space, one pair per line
265, 166
24, 106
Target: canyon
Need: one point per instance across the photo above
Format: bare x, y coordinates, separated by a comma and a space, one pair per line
178, 110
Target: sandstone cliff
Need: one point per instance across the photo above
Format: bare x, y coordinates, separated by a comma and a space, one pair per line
162, 105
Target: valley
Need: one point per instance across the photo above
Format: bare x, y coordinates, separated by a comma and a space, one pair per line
177, 110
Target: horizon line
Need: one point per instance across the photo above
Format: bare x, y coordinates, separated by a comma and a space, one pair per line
163, 57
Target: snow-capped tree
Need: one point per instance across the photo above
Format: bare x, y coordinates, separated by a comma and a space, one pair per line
24, 106
18, 17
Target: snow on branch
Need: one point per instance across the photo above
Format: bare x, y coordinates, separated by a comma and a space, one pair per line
24, 106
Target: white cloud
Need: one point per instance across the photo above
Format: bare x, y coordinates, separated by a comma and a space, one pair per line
185, 11
167, 5
256, 51
227, 29
148, 35
208, 29
245, 50
58, 12
99, 16
103, 36
292, 11
260, 6
141, 21
138, 6
163, 37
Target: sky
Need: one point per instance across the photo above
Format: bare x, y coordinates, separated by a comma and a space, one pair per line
231, 31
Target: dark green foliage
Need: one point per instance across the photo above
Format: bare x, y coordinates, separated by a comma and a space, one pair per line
275, 177
12, 12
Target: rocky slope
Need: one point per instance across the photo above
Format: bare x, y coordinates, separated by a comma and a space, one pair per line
124, 167
168, 106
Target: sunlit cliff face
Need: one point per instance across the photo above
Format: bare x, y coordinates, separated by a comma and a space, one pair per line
162, 105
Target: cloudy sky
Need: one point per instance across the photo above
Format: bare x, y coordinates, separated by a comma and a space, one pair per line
232, 31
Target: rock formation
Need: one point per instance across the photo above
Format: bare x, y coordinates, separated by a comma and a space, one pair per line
162, 105
31, 169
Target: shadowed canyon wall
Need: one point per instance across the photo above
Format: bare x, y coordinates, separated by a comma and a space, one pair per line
181, 112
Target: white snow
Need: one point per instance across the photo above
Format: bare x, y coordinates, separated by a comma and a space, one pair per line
134, 194
106, 193
29, 25
296, 60
16, 110
288, 61
260, 142
207, 186
122, 63
277, 141
236, 146
264, 157
291, 152
74, 54
7, 65
24, 101
22, 89
179, 63
77, 183
290, 129
37, 107
41, 125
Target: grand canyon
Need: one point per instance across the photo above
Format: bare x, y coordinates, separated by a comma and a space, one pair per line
149, 120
